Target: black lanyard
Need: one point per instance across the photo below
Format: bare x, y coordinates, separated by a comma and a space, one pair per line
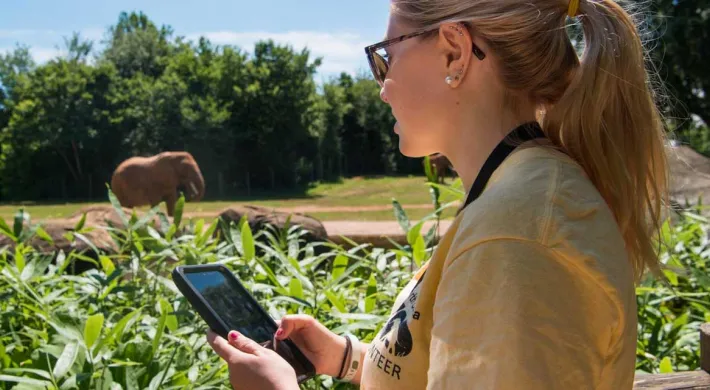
523, 133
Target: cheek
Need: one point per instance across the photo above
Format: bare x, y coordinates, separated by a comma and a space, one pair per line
417, 96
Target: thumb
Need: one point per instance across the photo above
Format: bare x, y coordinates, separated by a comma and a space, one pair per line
243, 343
292, 323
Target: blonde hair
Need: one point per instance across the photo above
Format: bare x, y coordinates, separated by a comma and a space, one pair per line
600, 110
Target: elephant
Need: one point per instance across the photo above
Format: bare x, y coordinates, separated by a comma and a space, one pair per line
440, 164
140, 181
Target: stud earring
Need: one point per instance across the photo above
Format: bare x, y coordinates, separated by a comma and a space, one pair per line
449, 80
457, 29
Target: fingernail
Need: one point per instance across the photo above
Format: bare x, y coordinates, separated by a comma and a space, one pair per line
279, 332
233, 336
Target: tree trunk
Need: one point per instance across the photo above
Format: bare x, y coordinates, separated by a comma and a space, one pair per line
64, 188
66, 160
220, 184
76, 157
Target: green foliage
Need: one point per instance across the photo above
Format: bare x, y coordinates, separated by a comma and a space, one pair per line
65, 125
670, 315
698, 138
125, 323
682, 31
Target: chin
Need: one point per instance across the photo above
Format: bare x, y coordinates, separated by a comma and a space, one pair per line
412, 151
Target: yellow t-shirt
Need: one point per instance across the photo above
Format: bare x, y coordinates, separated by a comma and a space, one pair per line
530, 288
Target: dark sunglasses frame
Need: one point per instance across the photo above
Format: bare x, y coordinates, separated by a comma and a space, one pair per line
371, 52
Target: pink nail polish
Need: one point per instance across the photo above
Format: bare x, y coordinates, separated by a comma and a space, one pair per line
233, 336
279, 332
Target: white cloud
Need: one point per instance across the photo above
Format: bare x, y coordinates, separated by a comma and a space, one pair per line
341, 52
92, 33
46, 44
44, 54
39, 54
21, 34
48, 37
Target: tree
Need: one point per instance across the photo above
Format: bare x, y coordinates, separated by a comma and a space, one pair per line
369, 146
334, 107
251, 119
279, 117
57, 131
136, 45
683, 31
78, 49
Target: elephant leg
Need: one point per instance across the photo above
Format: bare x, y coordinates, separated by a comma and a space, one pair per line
170, 201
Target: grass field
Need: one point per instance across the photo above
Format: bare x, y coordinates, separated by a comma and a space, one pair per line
375, 194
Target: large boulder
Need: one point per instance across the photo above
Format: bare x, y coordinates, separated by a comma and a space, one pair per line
689, 175
105, 215
259, 217
58, 230
98, 218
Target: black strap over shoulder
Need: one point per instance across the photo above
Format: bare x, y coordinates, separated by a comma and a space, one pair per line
523, 133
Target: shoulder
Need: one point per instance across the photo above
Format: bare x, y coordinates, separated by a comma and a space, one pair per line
541, 202
533, 188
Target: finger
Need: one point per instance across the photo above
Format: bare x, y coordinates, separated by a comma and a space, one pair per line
244, 343
223, 348
293, 323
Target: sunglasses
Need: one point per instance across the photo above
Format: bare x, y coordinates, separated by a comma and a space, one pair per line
379, 63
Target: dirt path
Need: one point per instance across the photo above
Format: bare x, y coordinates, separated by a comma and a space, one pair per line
375, 228
320, 209
375, 232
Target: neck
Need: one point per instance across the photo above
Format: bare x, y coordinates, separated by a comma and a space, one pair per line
469, 151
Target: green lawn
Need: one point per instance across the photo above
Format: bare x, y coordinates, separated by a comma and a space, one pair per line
353, 192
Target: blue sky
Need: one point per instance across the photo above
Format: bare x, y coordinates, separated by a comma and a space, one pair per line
336, 30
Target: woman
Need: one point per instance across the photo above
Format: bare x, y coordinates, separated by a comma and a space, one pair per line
532, 287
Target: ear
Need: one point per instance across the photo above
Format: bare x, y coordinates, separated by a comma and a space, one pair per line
456, 45
179, 165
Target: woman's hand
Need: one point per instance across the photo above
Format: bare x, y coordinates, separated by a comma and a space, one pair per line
322, 347
252, 366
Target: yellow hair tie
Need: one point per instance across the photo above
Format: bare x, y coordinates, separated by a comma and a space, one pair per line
573, 8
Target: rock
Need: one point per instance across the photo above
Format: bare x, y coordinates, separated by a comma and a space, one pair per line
689, 175
259, 217
101, 215
97, 219
57, 229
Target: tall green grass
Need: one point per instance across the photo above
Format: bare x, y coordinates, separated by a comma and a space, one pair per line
124, 325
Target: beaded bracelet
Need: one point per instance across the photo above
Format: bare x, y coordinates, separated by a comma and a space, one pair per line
348, 348
353, 358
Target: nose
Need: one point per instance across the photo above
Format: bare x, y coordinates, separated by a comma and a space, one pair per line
383, 96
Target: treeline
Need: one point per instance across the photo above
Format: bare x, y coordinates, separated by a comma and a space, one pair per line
252, 120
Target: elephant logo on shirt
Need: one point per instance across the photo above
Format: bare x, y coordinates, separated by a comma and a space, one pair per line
396, 335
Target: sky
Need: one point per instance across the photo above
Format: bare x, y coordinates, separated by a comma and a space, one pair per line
335, 30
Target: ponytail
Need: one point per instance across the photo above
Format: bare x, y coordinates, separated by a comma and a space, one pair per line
607, 120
